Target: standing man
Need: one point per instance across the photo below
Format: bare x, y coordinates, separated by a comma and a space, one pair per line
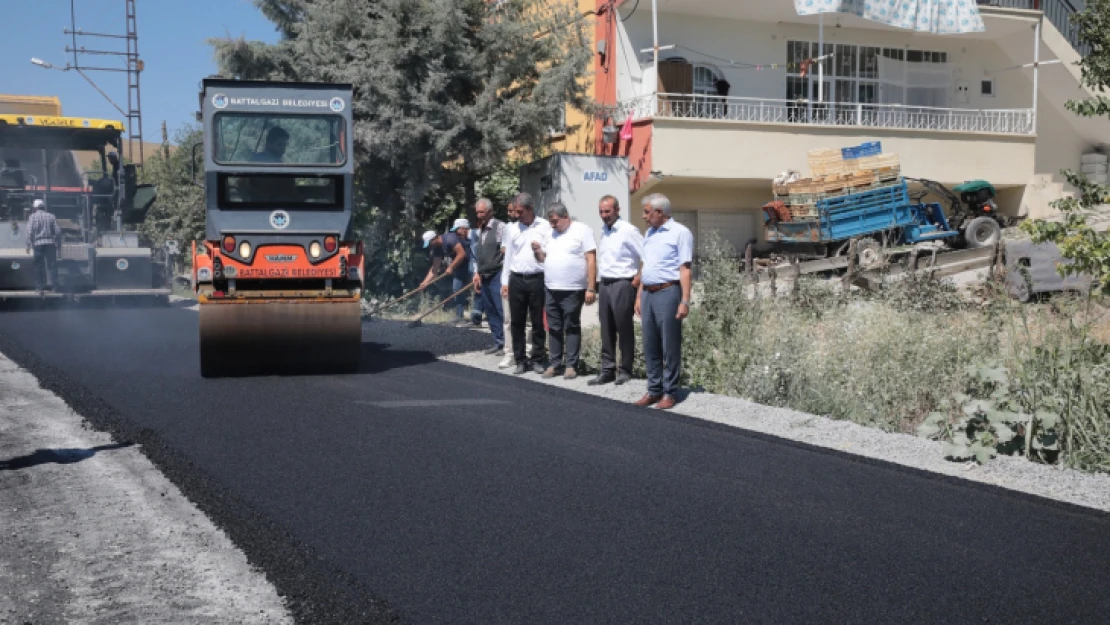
664, 299
570, 276
489, 259
619, 255
44, 237
444, 246
523, 283
511, 227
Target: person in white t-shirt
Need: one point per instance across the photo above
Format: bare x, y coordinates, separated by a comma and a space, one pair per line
570, 280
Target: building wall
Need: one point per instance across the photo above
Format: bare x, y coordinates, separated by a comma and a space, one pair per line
30, 105
724, 150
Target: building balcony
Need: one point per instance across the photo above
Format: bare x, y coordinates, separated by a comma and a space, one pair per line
863, 116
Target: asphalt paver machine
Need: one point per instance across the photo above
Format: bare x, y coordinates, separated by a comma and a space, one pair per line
279, 274
103, 254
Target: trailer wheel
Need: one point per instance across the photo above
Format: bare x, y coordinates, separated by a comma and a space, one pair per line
982, 232
869, 253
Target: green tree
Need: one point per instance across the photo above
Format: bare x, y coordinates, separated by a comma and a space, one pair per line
445, 90
179, 211
1088, 249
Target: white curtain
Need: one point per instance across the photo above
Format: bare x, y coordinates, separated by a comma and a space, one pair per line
914, 84
932, 16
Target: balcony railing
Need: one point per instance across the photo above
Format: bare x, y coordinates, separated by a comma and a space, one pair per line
764, 111
1058, 12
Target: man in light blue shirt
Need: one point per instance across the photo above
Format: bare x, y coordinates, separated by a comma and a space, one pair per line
664, 299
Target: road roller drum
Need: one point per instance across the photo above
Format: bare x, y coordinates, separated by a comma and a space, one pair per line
250, 338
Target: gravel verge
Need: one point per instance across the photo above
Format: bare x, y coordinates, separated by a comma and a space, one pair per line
94, 533
1012, 473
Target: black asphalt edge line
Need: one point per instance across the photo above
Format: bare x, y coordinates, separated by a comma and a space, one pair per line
738, 430
313, 591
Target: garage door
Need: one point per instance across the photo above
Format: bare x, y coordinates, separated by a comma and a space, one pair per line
734, 227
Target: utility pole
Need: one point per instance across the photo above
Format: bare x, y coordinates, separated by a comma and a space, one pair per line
165, 142
134, 67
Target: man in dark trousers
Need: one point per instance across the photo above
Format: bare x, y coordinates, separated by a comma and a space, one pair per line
522, 283
664, 299
486, 240
569, 274
618, 262
449, 245
44, 237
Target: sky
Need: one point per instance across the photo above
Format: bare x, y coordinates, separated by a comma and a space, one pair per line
172, 44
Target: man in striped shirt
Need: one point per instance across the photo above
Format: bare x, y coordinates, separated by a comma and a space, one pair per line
44, 236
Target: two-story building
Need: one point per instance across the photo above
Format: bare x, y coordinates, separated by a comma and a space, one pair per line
736, 98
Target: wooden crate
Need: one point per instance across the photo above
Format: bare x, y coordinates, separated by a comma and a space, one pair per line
824, 161
886, 174
881, 161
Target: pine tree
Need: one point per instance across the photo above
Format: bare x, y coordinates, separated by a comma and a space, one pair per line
445, 91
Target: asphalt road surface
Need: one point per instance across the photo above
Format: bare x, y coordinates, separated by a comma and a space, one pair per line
422, 491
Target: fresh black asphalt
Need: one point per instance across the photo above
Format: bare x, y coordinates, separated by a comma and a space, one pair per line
423, 491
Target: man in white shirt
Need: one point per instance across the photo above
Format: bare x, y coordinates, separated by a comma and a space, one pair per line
523, 283
570, 271
506, 237
664, 299
619, 255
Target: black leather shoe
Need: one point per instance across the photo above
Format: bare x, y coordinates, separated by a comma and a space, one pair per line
603, 378
622, 378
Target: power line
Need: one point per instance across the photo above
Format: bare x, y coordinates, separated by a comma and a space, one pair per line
634, 7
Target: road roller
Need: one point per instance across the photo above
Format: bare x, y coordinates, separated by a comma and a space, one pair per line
279, 274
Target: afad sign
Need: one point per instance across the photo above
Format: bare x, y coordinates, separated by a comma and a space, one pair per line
595, 176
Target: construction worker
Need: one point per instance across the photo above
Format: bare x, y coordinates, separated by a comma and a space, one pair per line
452, 246
45, 238
461, 227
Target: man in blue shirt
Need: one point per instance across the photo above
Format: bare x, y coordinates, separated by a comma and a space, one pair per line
663, 300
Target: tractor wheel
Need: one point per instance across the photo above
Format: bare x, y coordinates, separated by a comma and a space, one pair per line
982, 232
869, 254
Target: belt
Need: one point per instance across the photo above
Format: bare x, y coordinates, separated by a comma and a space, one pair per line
525, 275
612, 280
659, 287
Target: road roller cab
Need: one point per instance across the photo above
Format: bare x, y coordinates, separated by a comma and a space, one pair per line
279, 274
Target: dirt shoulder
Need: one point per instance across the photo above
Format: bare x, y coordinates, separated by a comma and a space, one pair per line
93, 533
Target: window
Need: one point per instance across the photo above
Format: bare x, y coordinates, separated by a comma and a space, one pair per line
986, 88
705, 80
261, 140
269, 191
871, 75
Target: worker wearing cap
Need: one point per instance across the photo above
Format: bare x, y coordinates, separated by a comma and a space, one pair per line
44, 237
461, 227
449, 245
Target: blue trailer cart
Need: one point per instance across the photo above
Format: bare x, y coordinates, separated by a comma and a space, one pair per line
877, 218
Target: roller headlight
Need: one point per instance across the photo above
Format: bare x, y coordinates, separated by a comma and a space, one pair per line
314, 249
245, 249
